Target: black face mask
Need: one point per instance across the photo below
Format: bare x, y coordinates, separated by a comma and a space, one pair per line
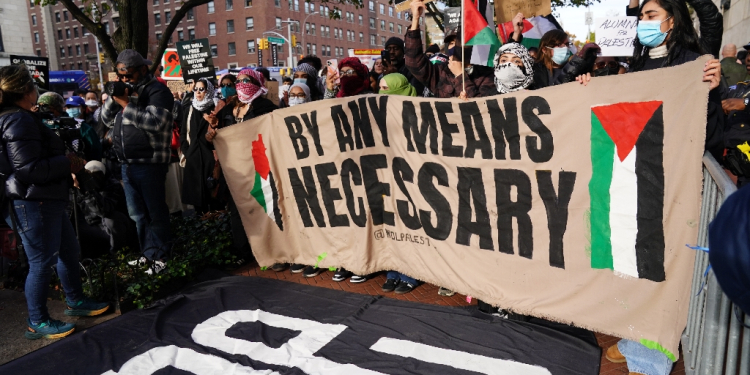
606, 72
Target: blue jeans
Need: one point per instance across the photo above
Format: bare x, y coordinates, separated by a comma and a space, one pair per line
48, 239
400, 276
145, 188
644, 360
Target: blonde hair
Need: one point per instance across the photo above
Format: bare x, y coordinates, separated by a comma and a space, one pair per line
15, 82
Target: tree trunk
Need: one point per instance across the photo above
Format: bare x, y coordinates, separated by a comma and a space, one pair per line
134, 26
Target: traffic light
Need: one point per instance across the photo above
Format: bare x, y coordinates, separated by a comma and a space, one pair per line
264, 43
101, 57
294, 40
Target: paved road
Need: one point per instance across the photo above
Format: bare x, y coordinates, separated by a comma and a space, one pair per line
13, 315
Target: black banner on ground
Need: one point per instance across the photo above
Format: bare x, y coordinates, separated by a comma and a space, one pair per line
38, 67
248, 325
195, 59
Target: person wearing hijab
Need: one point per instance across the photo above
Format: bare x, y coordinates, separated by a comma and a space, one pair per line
197, 157
307, 74
514, 68
299, 93
248, 104
354, 77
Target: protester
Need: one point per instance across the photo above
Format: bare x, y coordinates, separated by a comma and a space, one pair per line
92, 147
396, 48
299, 93
141, 140
377, 66
374, 82
307, 74
227, 88
736, 106
199, 178
559, 62
317, 65
607, 66
284, 88
92, 108
514, 68
432, 50
731, 71
248, 104
37, 175
533, 52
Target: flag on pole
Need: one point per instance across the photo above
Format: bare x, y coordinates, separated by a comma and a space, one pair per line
533, 30
627, 189
264, 187
479, 35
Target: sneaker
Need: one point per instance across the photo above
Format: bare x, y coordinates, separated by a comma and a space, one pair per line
341, 275
404, 288
138, 262
356, 279
297, 268
613, 355
390, 285
311, 271
278, 267
500, 313
86, 307
156, 267
445, 292
50, 329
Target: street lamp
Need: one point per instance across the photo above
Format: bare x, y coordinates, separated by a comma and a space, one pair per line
305, 23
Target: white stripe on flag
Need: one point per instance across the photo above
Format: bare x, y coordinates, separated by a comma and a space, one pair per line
268, 197
480, 54
623, 193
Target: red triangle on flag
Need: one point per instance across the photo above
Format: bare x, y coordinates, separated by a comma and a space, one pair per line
624, 122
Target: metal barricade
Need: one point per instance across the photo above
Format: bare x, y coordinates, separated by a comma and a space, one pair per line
714, 341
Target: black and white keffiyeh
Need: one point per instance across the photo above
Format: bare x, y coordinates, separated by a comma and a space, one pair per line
208, 100
508, 76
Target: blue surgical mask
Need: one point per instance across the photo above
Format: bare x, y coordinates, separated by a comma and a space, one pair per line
227, 91
649, 33
560, 55
73, 112
300, 80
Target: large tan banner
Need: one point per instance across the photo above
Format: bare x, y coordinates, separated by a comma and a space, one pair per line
570, 203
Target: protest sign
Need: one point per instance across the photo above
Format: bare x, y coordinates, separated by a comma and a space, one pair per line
170, 61
38, 68
404, 5
571, 203
273, 91
195, 59
452, 17
615, 35
505, 10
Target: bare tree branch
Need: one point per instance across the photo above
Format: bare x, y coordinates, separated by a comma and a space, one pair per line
162, 46
96, 28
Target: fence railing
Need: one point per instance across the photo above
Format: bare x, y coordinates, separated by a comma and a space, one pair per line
714, 341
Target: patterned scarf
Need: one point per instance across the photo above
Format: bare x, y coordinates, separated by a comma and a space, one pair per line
508, 76
208, 101
247, 92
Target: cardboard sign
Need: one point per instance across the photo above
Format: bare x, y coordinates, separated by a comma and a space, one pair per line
568, 203
170, 60
38, 68
615, 35
505, 10
404, 5
273, 91
195, 59
452, 18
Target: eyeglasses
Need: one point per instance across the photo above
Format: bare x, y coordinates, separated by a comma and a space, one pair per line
608, 64
249, 80
128, 76
199, 89
348, 72
298, 96
230, 84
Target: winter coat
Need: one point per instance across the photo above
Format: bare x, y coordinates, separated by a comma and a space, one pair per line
33, 165
198, 156
439, 79
143, 129
543, 77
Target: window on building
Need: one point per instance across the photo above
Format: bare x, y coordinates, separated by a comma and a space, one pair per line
106, 27
400, 30
191, 34
116, 21
78, 50
62, 52
231, 49
249, 24
278, 22
328, 50
278, 3
210, 5
328, 31
372, 23
80, 66
382, 25
36, 37
156, 2
390, 11
250, 46
158, 37
315, 49
38, 52
308, 49
190, 15
166, 1
31, 3
361, 37
229, 4
65, 15
67, 33
291, 4
33, 19
86, 48
180, 35
167, 16
70, 51
75, 32
390, 26
296, 5
382, 40
312, 29
57, 17
63, 65
372, 6
360, 19
214, 50
84, 32
382, 8
230, 26
372, 40
211, 29
157, 18
59, 34
322, 12
398, 15
248, 3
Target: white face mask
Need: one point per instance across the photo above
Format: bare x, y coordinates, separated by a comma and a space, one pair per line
509, 77
296, 101
92, 103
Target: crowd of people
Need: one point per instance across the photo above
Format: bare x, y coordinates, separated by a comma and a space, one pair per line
139, 152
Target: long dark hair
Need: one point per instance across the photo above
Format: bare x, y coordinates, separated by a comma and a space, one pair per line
552, 39
682, 37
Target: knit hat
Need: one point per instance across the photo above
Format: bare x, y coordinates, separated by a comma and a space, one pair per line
433, 49
394, 40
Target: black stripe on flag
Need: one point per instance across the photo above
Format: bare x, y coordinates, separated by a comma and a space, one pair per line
276, 211
649, 168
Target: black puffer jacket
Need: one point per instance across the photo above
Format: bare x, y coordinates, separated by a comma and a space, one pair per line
33, 165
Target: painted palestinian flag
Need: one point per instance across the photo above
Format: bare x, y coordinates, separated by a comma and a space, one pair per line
533, 30
627, 189
264, 188
479, 35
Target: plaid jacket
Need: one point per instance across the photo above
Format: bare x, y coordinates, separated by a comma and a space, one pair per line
143, 129
439, 79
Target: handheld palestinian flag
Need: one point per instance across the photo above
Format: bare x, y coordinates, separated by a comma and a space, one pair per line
479, 35
264, 188
533, 30
627, 189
